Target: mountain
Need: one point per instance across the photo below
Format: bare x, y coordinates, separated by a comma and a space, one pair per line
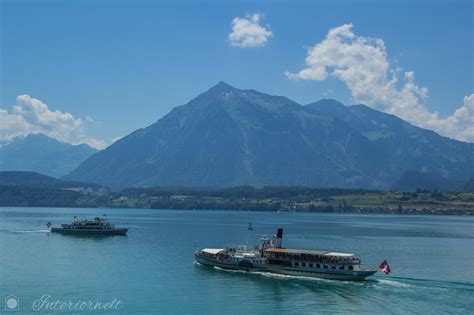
42, 154
412, 181
230, 137
398, 147
32, 179
468, 186
30, 189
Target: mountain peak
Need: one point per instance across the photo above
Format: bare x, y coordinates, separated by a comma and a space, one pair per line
326, 103
223, 83
40, 137
329, 107
222, 87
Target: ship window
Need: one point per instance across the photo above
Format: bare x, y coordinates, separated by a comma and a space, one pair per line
333, 267
351, 268
318, 266
325, 266
310, 265
341, 267
303, 264
296, 264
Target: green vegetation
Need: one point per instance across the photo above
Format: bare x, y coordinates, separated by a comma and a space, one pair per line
24, 196
300, 199
28, 189
37, 180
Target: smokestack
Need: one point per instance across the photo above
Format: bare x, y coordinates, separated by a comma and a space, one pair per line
280, 233
278, 238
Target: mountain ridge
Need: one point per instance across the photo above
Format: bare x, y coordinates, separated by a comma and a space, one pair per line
37, 180
42, 154
230, 137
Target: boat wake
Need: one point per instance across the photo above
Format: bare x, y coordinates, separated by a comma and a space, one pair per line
393, 283
33, 231
399, 284
290, 277
433, 284
370, 282
231, 270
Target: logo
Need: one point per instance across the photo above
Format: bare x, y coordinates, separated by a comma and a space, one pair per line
48, 303
12, 303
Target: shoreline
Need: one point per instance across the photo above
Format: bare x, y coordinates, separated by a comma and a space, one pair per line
267, 199
405, 212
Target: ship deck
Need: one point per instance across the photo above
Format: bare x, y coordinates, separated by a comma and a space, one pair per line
299, 251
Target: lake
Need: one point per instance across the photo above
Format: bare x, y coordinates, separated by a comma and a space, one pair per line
152, 270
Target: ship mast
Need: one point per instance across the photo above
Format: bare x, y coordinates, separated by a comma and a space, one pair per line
250, 228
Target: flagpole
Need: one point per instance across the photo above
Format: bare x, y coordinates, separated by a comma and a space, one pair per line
250, 228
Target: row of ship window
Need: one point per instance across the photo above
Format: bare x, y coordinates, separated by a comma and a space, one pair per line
254, 261
310, 265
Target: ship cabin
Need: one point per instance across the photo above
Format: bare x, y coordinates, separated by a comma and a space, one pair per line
311, 260
97, 223
213, 252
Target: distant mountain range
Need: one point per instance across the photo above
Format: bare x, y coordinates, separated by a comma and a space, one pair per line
36, 180
468, 186
413, 180
229, 137
42, 154
30, 189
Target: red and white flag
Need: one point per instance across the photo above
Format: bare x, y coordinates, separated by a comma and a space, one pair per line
384, 267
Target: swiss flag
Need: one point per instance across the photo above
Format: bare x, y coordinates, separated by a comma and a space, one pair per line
384, 267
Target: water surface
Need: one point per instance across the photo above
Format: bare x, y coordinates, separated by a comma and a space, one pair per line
152, 270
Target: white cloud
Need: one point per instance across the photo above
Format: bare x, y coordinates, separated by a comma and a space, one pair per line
30, 115
93, 142
363, 65
92, 121
247, 32
115, 139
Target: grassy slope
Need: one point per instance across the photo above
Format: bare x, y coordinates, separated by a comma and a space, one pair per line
372, 202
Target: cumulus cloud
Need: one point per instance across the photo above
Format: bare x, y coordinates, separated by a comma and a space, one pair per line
115, 139
248, 32
92, 121
30, 116
363, 65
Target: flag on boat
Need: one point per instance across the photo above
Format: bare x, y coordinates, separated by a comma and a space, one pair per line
49, 224
384, 267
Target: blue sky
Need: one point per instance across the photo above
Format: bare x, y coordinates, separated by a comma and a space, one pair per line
121, 66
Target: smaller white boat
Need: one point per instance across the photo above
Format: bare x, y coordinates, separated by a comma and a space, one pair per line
98, 226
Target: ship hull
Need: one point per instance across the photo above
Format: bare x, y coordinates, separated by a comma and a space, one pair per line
89, 232
360, 275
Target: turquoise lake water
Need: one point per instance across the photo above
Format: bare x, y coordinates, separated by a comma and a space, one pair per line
152, 270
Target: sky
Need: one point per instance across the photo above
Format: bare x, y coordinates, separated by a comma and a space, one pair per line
94, 71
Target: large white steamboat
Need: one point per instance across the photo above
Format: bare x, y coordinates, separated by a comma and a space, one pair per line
270, 256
